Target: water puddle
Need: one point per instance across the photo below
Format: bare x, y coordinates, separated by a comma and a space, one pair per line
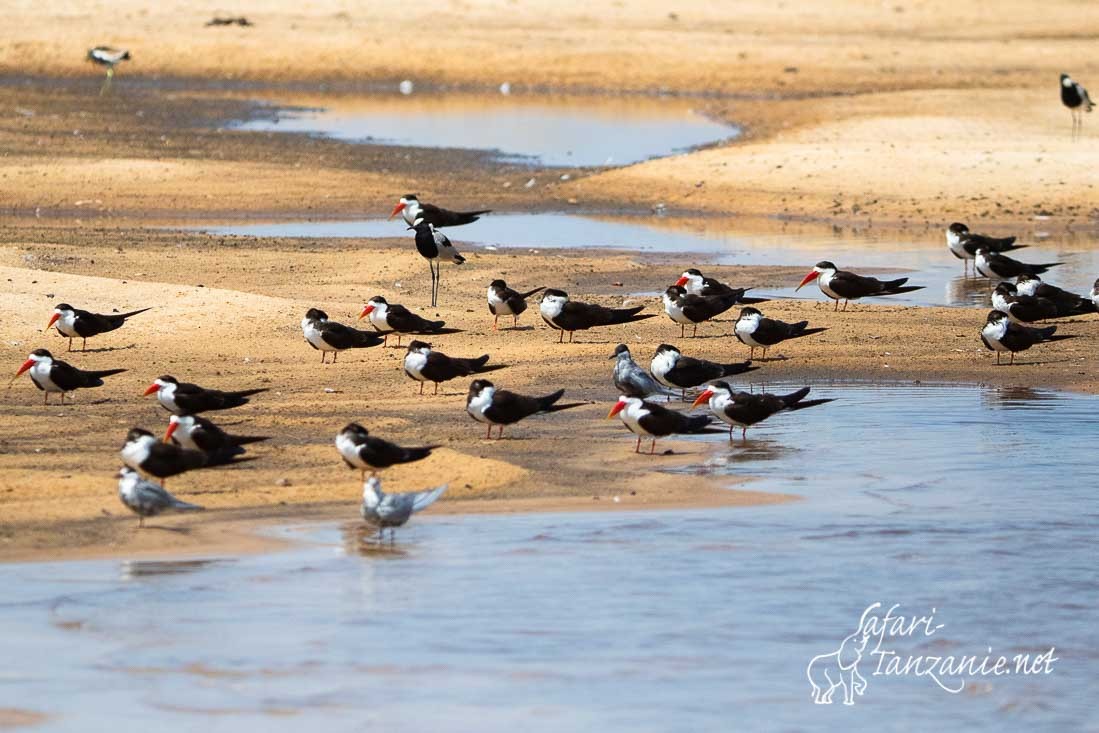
976, 502
544, 131
923, 256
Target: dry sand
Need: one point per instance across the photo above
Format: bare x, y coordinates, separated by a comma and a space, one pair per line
900, 113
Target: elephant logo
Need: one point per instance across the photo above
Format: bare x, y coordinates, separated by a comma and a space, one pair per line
840, 668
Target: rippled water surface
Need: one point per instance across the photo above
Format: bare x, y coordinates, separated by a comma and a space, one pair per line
583, 131
979, 503
921, 256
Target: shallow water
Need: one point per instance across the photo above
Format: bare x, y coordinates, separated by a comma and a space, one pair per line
923, 257
976, 502
544, 131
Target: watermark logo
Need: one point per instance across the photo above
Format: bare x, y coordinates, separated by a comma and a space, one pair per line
869, 651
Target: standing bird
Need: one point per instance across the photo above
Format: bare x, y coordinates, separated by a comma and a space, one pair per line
53, 375
423, 364
753, 330
388, 318
996, 266
963, 244
743, 410
147, 499
1000, 335
695, 283
650, 419
109, 57
1021, 308
184, 398
570, 316
498, 407
325, 335
359, 449
433, 245
387, 511
691, 310
143, 452
1068, 304
75, 323
411, 209
633, 381
847, 286
1095, 293
1076, 98
194, 432
503, 301
676, 371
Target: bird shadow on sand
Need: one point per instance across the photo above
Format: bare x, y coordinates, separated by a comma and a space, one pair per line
518, 328
102, 349
163, 528
1032, 363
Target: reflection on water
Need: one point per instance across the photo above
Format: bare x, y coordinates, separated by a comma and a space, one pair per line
134, 569
977, 503
581, 131
920, 255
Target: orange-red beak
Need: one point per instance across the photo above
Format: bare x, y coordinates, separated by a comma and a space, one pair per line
53, 320
26, 365
807, 279
618, 407
705, 396
366, 312
171, 429
396, 210
681, 282
150, 389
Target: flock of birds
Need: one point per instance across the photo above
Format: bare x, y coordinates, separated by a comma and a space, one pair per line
192, 441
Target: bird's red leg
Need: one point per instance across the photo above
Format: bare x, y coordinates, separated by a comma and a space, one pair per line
488, 433
70, 344
500, 434
385, 340
652, 447
681, 327
571, 334
84, 345
837, 306
515, 321
695, 332
495, 323
334, 355
561, 338
436, 388
730, 433
421, 387
744, 434
637, 448
45, 397
1011, 364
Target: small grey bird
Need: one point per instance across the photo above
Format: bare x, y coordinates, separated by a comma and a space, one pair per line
147, 499
383, 510
633, 381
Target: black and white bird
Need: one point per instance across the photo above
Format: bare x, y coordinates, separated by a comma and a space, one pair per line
434, 246
194, 432
695, 283
411, 209
569, 316
75, 323
491, 406
633, 381
676, 371
648, 419
755, 331
964, 244
1095, 293
1021, 308
184, 398
147, 499
996, 266
423, 364
743, 410
359, 449
389, 318
691, 310
330, 336
143, 452
1068, 304
847, 286
1076, 98
1001, 335
54, 376
109, 57
388, 511
503, 301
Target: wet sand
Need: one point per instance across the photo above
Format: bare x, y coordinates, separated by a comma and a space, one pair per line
893, 116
